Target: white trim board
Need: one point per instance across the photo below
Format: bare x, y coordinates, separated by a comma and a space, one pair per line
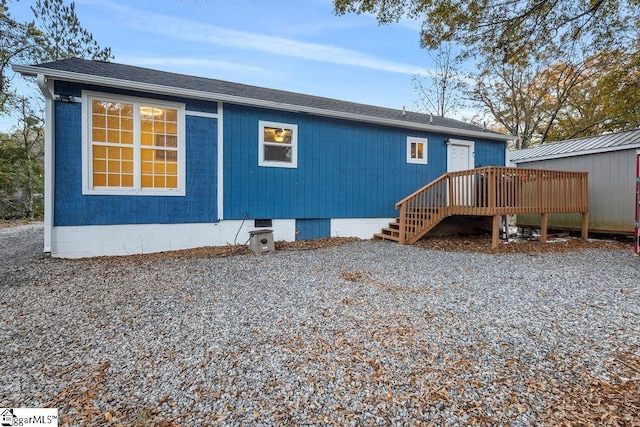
201, 114
220, 170
46, 87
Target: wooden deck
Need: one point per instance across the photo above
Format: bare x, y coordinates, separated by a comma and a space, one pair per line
490, 191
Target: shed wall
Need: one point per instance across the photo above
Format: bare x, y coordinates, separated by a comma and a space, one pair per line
611, 192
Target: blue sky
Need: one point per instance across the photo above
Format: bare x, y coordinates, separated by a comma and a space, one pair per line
295, 45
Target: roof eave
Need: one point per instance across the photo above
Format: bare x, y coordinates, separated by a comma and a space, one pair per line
33, 71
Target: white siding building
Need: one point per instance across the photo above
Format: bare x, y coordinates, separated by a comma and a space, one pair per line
610, 160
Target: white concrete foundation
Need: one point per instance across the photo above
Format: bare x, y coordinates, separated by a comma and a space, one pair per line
363, 228
101, 240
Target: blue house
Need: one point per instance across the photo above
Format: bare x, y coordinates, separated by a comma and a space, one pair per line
140, 160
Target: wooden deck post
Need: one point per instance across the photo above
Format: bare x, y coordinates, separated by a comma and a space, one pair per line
585, 225
544, 222
495, 232
402, 232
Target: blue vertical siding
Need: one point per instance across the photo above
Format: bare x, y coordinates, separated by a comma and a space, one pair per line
73, 208
345, 169
68, 164
490, 153
313, 229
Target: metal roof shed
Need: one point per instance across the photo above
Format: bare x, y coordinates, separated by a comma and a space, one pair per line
610, 161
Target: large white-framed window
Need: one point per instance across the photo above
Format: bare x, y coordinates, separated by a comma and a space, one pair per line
417, 150
277, 144
132, 146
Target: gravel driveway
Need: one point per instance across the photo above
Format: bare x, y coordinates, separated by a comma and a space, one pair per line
368, 333
19, 247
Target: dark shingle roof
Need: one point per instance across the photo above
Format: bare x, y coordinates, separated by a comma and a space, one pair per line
573, 147
212, 86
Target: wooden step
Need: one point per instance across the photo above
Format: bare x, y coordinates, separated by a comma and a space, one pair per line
391, 231
386, 237
417, 218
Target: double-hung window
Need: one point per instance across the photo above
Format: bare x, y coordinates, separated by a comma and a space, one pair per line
133, 146
278, 144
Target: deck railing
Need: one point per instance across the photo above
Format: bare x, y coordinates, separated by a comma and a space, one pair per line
492, 191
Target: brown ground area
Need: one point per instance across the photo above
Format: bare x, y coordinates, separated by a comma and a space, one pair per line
458, 243
559, 243
231, 250
476, 243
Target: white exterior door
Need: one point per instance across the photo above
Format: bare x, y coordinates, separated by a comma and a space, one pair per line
460, 156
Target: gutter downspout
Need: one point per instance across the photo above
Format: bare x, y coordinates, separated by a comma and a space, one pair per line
220, 141
46, 87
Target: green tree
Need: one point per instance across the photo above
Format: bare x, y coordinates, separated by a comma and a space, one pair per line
534, 103
54, 33
609, 100
16, 46
548, 70
61, 35
21, 165
511, 29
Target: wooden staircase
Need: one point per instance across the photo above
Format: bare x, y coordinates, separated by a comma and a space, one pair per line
490, 191
421, 218
419, 212
392, 232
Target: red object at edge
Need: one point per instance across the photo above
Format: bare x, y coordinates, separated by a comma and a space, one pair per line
637, 228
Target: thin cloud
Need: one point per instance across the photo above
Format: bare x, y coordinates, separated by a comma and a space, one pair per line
193, 31
144, 61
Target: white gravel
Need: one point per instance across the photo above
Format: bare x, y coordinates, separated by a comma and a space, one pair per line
19, 246
368, 333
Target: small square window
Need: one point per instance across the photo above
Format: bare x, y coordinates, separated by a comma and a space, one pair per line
278, 145
417, 150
